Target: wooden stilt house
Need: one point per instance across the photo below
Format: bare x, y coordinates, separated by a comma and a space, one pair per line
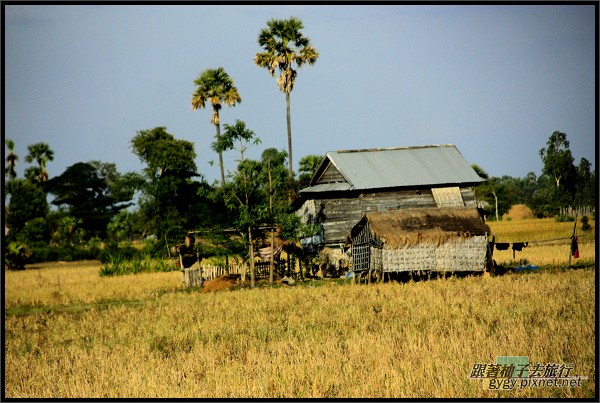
350, 183
442, 240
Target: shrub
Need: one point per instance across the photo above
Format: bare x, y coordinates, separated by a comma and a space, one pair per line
112, 249
15, 256
564, 218
118, 265
45, 253
585, 226
113, 266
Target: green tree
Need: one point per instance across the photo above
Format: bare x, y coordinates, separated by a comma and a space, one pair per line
215, 86
11, 160
585, 194
558, 165
35, 231
40, 153
492, 191
126, 226
169, 194
27, 202
274, 174
308, 166
236, 133
67, 230
540, 201
245, 198
94, 193
284, 45
33, 174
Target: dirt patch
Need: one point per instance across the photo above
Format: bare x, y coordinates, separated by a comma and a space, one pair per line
221, 283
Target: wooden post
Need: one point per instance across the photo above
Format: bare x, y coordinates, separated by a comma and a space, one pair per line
272, 262
572, 236
252, 273
182, 268
199, 268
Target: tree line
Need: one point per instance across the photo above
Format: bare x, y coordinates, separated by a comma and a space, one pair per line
94, 203
561, 184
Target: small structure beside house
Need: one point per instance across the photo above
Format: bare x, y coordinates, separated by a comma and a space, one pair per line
440, 240
349, 184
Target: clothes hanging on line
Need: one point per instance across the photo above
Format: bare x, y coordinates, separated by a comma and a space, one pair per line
574, 247
518, 246
502, 245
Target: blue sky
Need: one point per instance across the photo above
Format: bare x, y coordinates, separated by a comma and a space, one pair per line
496, 81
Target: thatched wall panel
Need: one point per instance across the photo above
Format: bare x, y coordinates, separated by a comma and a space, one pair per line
443, 239
467, 255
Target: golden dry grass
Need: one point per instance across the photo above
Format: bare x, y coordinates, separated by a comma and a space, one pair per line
549, 241
142, 336
79, 282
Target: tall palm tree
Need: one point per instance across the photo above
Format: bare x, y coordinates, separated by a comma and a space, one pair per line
11, 160
284, 45
215, 86
40, 153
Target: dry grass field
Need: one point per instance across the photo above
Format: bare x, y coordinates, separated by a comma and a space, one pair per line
549, 241
71, 333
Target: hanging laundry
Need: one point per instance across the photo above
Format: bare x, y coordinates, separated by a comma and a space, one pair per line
574, 247
502, 245
518, 246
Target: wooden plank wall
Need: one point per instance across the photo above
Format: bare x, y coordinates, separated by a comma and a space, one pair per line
339, 215
331, 175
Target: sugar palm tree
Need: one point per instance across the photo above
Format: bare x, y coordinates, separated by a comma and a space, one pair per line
11, 160
284, 45
215, 86
40, 153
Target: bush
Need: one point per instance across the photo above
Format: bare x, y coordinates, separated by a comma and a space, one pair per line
585, 226
564, 218
16, 254
111, 250
67, 253
35, 230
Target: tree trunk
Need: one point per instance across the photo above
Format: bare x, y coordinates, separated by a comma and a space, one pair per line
496, 200
218, 125
271, 265
252, 274
289, 131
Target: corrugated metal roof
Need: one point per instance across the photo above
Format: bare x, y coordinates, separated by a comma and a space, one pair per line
398, 167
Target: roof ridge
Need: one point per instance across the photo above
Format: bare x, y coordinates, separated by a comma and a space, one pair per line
394, 148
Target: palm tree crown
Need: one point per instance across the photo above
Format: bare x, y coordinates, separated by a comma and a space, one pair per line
215, 86
40, 153
11, 160
284, 45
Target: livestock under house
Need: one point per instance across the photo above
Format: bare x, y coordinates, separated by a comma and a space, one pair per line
430, 240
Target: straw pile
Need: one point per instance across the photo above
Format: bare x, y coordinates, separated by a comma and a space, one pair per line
433, 227
518, 212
